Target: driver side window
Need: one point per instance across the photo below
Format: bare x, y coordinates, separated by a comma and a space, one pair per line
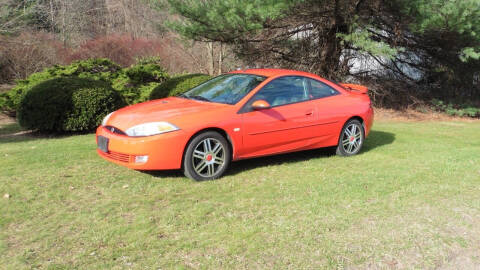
284, 90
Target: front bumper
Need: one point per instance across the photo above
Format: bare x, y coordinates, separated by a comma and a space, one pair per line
164, 151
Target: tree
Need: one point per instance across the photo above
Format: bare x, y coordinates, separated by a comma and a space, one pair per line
323, 36
14, 15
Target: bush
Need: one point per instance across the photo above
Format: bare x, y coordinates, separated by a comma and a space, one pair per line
67, 104
137, 82
134, 83
178, 85
97, 69
3, 100
149, 60
458, 110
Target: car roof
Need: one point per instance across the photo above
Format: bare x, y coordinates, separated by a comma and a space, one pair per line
271, 72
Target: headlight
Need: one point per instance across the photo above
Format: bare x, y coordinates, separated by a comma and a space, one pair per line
104, 121
149, 129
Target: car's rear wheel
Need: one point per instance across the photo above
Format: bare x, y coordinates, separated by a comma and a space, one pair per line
207, 156
351, 138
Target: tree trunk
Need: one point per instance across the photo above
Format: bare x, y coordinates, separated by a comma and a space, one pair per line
220, 59
210, 60
52, 19
330, 45
329, 59
64, 24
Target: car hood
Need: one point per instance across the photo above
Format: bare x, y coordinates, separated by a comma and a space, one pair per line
178, 111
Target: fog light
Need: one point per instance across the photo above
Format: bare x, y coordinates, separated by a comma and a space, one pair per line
141, 159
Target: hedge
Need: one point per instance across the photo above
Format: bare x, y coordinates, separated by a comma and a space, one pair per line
67, 104
178, 85
133, 83
137, 82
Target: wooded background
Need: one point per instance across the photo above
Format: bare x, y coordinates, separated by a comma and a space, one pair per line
406, 51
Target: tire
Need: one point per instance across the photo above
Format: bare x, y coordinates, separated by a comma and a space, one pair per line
351, 138
207, 156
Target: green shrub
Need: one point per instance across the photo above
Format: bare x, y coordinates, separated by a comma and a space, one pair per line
149, 60
134, 83
96, 69
178, 85
3, 100
67, 104
137, 82
456, 110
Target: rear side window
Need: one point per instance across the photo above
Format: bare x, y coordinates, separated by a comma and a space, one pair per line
321, 90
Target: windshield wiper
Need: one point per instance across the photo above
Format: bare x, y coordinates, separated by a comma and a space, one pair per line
198, 98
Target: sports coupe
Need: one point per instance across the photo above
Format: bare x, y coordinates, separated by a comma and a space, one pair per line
238, 115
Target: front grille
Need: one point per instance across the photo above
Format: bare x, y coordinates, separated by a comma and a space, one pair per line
115, 130
119, 156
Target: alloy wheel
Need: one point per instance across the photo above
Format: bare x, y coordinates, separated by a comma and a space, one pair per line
208, 157
352, 138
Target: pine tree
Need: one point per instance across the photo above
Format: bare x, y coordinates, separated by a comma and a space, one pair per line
322, 35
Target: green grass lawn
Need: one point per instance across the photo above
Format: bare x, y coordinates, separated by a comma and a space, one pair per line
411, 199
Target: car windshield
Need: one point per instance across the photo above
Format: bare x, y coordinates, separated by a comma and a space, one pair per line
227, 89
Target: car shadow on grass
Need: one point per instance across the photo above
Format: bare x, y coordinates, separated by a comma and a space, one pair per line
375, 140
165, 173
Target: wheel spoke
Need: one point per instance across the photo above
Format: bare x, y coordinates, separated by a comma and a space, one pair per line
199, 154
346, 142
217, 148
350, 146
348, 132
201, 166
207, 145
356, 144
354, 130
219, 160
211, 169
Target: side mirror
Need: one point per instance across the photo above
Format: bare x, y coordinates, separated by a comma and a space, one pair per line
260, 105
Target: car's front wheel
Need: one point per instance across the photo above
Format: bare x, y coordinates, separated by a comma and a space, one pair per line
207, 156
351, 138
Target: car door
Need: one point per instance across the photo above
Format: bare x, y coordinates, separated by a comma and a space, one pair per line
287, 125
328, 102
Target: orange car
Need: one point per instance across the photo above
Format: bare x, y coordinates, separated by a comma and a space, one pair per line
238, 115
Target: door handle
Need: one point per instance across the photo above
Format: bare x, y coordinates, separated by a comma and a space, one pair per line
309, 113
